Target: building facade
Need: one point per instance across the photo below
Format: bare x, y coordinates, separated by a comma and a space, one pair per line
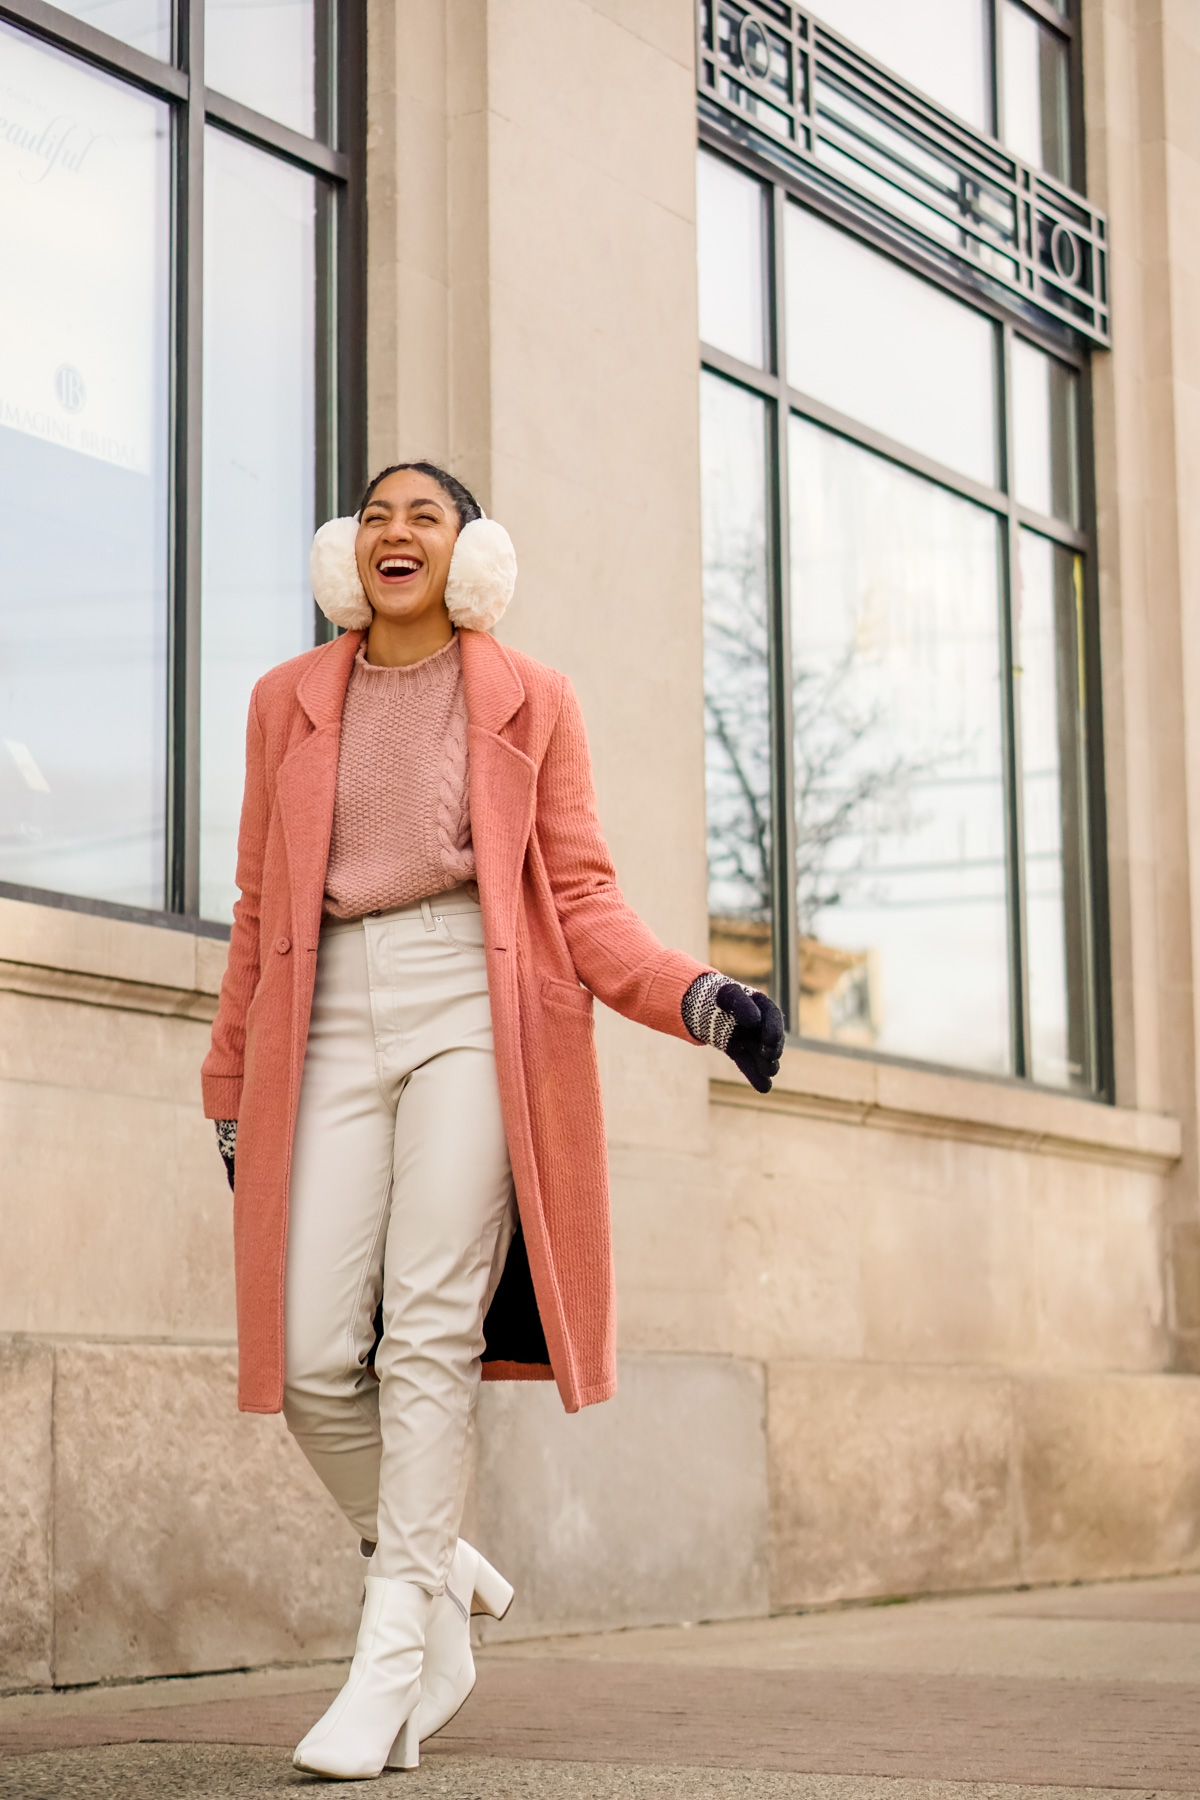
833, 369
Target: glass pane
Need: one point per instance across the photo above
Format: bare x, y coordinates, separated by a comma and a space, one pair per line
939, 46
85, 198
889, 349
259, 439
901, 887
1036, 107
1045, 433
1053, 792
731, 234
737, 693
146, 24
261, 53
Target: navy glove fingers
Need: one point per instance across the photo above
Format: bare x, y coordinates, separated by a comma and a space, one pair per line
739, 1002
745, 1024
772, 1028
758, 1077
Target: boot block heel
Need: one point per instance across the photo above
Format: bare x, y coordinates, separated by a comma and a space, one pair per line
493, 1593
405, 1753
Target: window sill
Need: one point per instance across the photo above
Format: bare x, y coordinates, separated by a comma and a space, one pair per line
54, 954
891, 1097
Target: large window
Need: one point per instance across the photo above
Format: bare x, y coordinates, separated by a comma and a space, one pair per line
180, 194
900, 697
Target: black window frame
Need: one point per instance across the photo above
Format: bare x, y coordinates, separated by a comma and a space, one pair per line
786, 183
336, 156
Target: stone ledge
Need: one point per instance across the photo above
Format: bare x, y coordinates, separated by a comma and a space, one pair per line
928, 1103
56, 954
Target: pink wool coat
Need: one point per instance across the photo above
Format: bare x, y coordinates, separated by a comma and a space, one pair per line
553, 918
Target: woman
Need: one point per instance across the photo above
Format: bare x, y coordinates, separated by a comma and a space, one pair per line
403, 1064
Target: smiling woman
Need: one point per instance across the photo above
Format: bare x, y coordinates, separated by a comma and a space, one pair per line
404, 1040
408, 526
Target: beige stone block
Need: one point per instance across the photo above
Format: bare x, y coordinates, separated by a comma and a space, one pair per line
1097, 1265
548, 417
115, 1215
92, 944
655, 1088
26, 1513
670, 1250
794, 1252
101, 1049
1183, 1259
887, 1481
1109, 1470
668, 1217
212, 954
945, 1271
668, 26
815, 1149
1183, 149
595, 94
468, 46
650, 1508
187, 1536
851, 1080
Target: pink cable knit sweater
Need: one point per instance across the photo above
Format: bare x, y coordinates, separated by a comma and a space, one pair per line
401, 819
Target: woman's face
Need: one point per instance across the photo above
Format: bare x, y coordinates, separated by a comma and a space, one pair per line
405, 541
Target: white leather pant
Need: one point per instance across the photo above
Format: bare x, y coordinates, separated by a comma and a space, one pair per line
401, 1189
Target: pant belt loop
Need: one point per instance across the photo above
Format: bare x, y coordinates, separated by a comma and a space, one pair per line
427, 915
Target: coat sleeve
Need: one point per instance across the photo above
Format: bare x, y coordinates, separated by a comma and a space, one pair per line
222, 1070
615, 954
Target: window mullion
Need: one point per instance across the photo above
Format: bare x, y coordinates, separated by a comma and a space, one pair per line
1011, 702
786, 958
183, 800
349, 85
325, 499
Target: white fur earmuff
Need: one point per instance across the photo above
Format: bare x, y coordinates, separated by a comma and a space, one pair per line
335, 582
480, 584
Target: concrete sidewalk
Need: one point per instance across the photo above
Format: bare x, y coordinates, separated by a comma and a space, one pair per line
1049, 1692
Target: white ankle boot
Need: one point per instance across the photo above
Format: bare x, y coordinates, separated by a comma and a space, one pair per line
373, 1721
449, 1672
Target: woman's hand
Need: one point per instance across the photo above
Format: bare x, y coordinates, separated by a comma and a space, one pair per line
227, 1144
739, 1020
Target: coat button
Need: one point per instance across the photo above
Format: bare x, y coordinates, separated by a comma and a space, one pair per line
283, 946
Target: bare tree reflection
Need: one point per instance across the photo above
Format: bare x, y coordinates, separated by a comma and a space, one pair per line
853, 788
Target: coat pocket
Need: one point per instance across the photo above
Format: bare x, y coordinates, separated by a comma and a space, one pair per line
567, 994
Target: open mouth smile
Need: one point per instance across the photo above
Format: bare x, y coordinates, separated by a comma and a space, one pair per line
396, 570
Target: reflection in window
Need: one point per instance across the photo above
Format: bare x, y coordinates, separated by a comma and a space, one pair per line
1045, 431
928, 380
1051, 695
146, 24
737, 702
939, 46
83, 480
1036, 111
901, 887
259, 434
261, 53
731, 234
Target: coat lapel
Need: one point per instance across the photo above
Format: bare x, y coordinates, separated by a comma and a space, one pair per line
503, 779
307, 782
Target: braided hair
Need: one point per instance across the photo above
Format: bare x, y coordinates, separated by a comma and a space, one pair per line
465, 503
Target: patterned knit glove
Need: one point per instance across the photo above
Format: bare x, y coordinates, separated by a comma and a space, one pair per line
227, 1144
738, 1020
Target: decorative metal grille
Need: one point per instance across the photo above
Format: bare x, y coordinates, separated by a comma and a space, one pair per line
780, 83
